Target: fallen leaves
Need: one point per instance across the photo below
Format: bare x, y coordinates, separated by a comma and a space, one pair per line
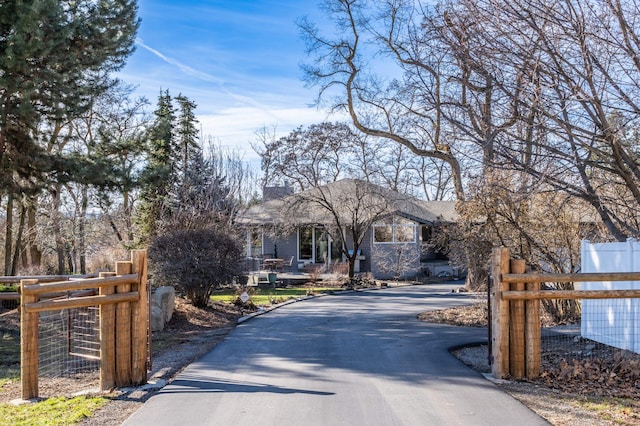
620, 379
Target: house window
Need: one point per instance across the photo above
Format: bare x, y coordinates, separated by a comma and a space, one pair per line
316, 245
394, 230
305, 243
383, 231
254, 242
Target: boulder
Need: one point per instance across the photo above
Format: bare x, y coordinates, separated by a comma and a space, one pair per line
162, 302
157, 319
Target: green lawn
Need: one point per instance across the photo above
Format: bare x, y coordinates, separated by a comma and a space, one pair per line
268, 296
51, 412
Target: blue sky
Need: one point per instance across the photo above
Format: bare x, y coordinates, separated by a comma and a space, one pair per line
239, 60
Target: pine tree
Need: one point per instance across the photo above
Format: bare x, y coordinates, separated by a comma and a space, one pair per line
54, 57
187, 133
159, 176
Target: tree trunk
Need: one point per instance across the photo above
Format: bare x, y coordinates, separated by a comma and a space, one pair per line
126, 204
35, 254
71, 260
352, 266
8, 235
19, 244
57, 231
82, 230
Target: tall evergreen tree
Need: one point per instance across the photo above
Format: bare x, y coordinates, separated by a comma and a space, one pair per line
54, 57
159, 176
186, 133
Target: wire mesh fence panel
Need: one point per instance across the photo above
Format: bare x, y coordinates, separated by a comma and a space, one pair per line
597, 366
69, 342
612, 331
84, 333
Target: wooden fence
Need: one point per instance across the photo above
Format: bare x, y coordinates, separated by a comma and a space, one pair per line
123, 302
515, 310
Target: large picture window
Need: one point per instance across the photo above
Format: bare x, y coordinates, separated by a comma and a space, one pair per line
383, 231
315, 244
305, 243
394, 230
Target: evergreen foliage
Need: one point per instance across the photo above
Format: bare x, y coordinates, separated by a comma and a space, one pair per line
55, 57
159, 173
186, 132
181, 189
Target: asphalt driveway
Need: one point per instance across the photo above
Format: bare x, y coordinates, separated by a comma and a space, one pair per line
359, 358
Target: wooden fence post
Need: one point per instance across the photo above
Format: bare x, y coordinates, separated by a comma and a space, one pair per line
517, 325
123, 330
107, 338
500, 314
533, 333
28, 343
140, 318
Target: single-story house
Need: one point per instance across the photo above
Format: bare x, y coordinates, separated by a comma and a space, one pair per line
394, 229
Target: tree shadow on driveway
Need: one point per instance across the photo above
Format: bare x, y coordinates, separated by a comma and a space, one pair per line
196, 384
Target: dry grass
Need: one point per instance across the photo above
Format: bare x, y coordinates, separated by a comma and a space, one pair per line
463, 316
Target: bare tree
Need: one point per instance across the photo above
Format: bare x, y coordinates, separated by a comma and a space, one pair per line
540, 95
348, 209
241, 178
307, 158
569, 70
399, 111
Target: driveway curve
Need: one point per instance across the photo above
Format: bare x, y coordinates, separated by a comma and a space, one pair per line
358, 358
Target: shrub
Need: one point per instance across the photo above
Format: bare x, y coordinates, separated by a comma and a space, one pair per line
196, 262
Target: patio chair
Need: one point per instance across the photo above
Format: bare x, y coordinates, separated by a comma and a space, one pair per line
288, 265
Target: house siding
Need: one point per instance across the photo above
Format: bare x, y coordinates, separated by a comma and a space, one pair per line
385, 258
287, 246
367, 252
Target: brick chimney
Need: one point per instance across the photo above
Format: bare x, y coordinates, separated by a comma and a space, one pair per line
275, 192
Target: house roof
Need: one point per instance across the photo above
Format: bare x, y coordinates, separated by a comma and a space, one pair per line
346, 195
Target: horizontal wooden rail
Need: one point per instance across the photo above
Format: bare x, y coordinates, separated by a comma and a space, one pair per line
568, 278
9, 295
570, 294
44, 278
33, 289
80, 302
14, 295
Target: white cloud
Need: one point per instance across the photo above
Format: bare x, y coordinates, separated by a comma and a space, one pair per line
238, 126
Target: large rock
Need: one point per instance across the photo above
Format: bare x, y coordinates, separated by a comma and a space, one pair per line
162, 301
157, 319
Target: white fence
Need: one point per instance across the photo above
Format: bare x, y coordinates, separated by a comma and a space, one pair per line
615, 322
